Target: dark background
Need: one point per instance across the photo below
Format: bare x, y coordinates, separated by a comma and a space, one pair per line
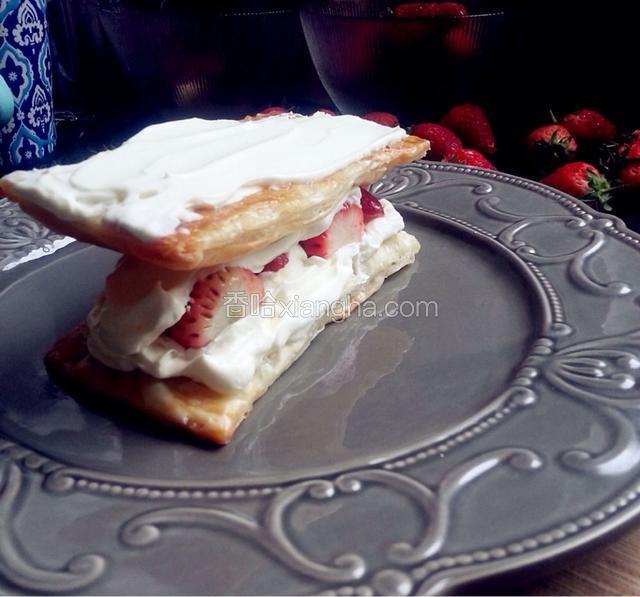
121, 64
561, 54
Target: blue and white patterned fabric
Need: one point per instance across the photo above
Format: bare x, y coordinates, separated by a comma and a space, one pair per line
25, 65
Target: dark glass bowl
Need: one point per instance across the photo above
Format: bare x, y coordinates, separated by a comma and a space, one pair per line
369, 60
225, 58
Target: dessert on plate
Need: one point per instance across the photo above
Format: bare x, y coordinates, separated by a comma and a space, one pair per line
241, 240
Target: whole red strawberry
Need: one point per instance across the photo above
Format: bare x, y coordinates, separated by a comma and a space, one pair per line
471, 124
272, 111
589, 125
444, 144
471, 157
384, 118
581, 180
414, 10
554, 136
630, 175
549, 147
630, 151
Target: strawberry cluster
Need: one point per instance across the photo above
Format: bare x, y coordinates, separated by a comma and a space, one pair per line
463, 135
584, 154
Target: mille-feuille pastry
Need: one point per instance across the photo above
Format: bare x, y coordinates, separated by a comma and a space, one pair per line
193, 193
242, 240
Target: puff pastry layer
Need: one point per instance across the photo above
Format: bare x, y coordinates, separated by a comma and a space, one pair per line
188, 405
230, 231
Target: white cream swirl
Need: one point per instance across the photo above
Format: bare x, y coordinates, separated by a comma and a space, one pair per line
131, 337
153, 182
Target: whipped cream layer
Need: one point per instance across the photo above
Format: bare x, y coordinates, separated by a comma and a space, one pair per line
152, 183
130, 337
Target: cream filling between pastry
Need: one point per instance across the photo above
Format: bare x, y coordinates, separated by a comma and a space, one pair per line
257, 260
132, 337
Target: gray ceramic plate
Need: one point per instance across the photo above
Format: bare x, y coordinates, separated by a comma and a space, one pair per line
493, 429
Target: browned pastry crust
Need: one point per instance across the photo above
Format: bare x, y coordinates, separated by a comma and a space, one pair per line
188, 405
225, 233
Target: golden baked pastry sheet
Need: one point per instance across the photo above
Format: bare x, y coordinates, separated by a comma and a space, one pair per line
188, 405
225, 233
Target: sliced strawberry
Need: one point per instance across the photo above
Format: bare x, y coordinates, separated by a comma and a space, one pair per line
383, 118
347, 227
216, 300
277, 263
371, 206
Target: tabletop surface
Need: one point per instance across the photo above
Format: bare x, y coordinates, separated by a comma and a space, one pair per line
611, 569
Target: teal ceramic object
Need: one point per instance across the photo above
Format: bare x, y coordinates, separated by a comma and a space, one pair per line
6, 102
27, 128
